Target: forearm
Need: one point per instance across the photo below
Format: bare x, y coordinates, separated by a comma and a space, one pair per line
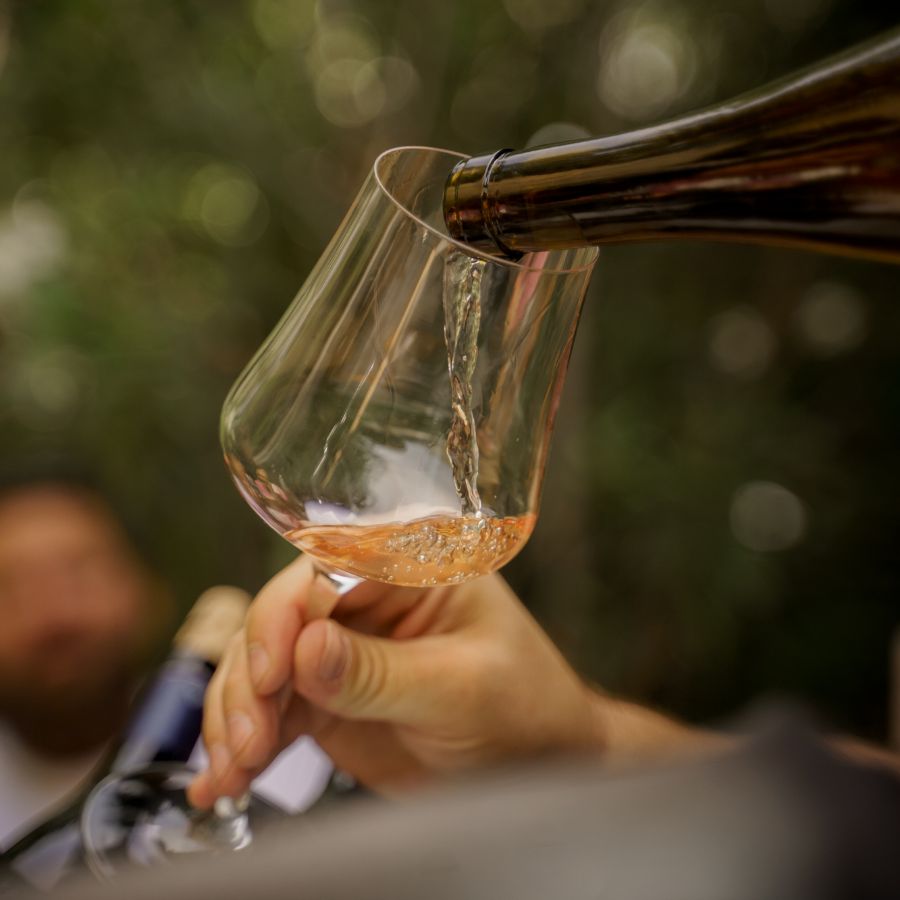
625, 731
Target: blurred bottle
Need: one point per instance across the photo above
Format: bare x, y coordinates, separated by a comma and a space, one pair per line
811, 161
164, 727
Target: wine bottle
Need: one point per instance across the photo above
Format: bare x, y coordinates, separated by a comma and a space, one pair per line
810, 161
164, 727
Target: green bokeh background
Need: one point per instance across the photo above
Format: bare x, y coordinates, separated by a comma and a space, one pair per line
171, 171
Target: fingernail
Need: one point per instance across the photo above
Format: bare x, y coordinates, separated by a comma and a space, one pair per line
335, 655
258, 660
323, 596
220, 760
240, 730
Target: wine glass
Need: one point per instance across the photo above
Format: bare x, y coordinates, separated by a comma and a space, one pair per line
394, 426
396, 422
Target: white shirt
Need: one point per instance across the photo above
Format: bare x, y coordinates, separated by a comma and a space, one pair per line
32, 787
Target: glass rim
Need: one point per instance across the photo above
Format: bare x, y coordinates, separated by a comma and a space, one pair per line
461, 245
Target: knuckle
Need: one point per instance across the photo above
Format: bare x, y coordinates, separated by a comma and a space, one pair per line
368, 679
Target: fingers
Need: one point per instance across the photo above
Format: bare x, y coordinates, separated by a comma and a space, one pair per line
230, 779
374, 753
240, 729
294, 596
251, 722
362, 677
245, 701
380, 617
201, 792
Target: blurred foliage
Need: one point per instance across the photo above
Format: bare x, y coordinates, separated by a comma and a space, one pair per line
720, 516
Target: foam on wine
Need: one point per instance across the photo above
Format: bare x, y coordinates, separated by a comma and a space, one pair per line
429, 551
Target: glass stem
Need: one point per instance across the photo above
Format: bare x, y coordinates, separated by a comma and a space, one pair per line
232, 824
343, 582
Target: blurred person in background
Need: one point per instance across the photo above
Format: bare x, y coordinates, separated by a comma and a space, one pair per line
81, 613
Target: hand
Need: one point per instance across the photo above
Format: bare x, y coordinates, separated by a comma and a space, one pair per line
397, 684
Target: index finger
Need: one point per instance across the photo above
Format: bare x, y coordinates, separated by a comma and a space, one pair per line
295, 596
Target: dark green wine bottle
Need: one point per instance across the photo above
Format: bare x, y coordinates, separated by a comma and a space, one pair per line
810, 161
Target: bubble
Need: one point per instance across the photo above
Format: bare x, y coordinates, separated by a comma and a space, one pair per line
766, 516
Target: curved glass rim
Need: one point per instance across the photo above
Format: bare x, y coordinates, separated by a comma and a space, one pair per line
461, 245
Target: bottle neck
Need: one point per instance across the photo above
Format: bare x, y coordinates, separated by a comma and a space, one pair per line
811, 161
168, 716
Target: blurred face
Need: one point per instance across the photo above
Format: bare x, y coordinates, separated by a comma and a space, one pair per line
73, 597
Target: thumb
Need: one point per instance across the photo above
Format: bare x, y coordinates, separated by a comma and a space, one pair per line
358, 676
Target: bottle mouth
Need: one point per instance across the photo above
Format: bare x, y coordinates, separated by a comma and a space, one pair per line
467, 213
391, 172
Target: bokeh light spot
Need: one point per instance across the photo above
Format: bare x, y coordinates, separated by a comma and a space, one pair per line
536, 15
33, 242
339, 38
226, 203
766, 516
645, 66
350, 92
283, 22
741, 343
831, 319
48, 389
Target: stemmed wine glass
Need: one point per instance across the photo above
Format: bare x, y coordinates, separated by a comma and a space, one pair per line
396, 422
